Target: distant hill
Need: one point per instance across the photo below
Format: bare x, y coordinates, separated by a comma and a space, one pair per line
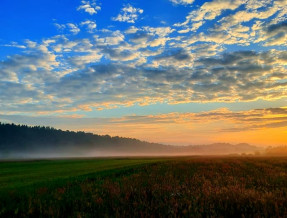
223, 149
22, 141
277, 151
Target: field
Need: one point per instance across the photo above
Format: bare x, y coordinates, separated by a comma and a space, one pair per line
175, 187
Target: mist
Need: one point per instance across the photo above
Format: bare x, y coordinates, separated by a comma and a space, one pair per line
24, 142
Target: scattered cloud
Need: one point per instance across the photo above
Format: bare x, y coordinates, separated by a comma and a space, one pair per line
13, 44
70, 74
89, 7
234, 28
90, 25
214, 53
128, 14
180, 128
60, 26
182, 2
73, 28
208, 11
148, 64
256, 4
274, 34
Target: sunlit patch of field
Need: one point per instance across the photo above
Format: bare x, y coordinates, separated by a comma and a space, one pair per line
179, 187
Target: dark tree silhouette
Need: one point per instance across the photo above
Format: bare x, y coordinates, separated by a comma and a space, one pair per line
23, 138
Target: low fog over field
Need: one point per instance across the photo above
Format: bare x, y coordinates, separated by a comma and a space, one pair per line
46, 142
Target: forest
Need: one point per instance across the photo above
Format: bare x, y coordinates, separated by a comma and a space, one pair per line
23, 138
22, 141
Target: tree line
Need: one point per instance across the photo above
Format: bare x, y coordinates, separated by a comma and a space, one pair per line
24, 138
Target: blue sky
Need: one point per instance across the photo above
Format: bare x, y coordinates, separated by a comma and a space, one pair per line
139, 61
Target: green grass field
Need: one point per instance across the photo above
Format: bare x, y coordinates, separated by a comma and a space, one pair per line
26, 173
178, 187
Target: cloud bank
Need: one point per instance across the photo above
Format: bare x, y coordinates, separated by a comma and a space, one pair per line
217, 51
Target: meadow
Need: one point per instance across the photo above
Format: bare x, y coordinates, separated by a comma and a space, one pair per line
146, 187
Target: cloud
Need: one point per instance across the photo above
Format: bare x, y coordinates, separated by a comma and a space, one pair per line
276, 34
179, 58
131, 30
279, 27
232, 77
89, 7
243, 120
270, 33
180, 128
38, 60
235, 29
73, 28
153, 36
140, 37
160, 31
90, 25
22, 94
60, 26
81, 60
128, 14
14, 44
257, 4
182, 2
26, 76
208, 11
245, 16
71, 72
158, 42
115, 38
148, 64
148, 37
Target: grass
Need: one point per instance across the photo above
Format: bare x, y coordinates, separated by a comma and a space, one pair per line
180, 187
24, 173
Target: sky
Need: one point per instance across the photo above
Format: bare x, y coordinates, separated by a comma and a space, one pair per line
176, 72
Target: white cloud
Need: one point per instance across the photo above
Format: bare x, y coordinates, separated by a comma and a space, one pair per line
73, 28
14, 44
128, 14
245, 16
158, 42
81, 60
91, 25
131, 30
160, 31
273, 35
147, 64
30, 44
208, 11
182, 2
256, 4
60, 26
194, 27
173, 75
90, 7
115, 38
234, 25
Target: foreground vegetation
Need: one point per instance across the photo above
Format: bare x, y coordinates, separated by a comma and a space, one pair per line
182, 187
20, 175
